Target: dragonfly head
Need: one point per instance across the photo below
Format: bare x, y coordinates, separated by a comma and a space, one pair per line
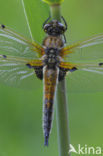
54, 28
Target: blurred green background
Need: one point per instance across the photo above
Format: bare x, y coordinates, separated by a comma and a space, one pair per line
21, 110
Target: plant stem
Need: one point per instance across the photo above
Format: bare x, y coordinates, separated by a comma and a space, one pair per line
61, 105
62, 119
55, 12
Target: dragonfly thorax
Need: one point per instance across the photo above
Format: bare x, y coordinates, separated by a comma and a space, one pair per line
52, 51
51, 57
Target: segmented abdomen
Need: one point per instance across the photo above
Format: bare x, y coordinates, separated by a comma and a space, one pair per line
50, 80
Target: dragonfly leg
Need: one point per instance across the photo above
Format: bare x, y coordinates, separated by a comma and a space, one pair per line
66, 26
46, 21
64, 39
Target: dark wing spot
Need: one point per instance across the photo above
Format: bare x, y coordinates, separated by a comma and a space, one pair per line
28, 65
39, 72
73, 69
2, 26
100, 64
63, 71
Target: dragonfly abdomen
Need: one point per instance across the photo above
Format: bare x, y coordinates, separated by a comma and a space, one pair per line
47, 119
50, 80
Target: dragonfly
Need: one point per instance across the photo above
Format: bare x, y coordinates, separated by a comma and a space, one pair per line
50, 61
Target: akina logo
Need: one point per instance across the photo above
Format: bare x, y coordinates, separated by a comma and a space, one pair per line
87, 150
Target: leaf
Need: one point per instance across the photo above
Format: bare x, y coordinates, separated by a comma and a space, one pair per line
53, 2
36, 13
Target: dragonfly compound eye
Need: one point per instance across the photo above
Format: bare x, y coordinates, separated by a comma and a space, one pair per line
54, 28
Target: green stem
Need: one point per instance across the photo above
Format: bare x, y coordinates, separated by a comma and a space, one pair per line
61, 105
62, 119
55, 12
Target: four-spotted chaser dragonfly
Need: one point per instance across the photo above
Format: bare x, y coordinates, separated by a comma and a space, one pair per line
20, 58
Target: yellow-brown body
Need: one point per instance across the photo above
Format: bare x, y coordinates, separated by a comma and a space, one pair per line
52, 46
50, 83
53, 42
50, 80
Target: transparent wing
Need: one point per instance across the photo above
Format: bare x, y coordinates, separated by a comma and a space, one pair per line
84, 77
16, 45
87, 57
14, 71
85, 51
86, 80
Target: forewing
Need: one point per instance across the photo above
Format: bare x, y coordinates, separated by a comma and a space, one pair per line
16, 45
85, 51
